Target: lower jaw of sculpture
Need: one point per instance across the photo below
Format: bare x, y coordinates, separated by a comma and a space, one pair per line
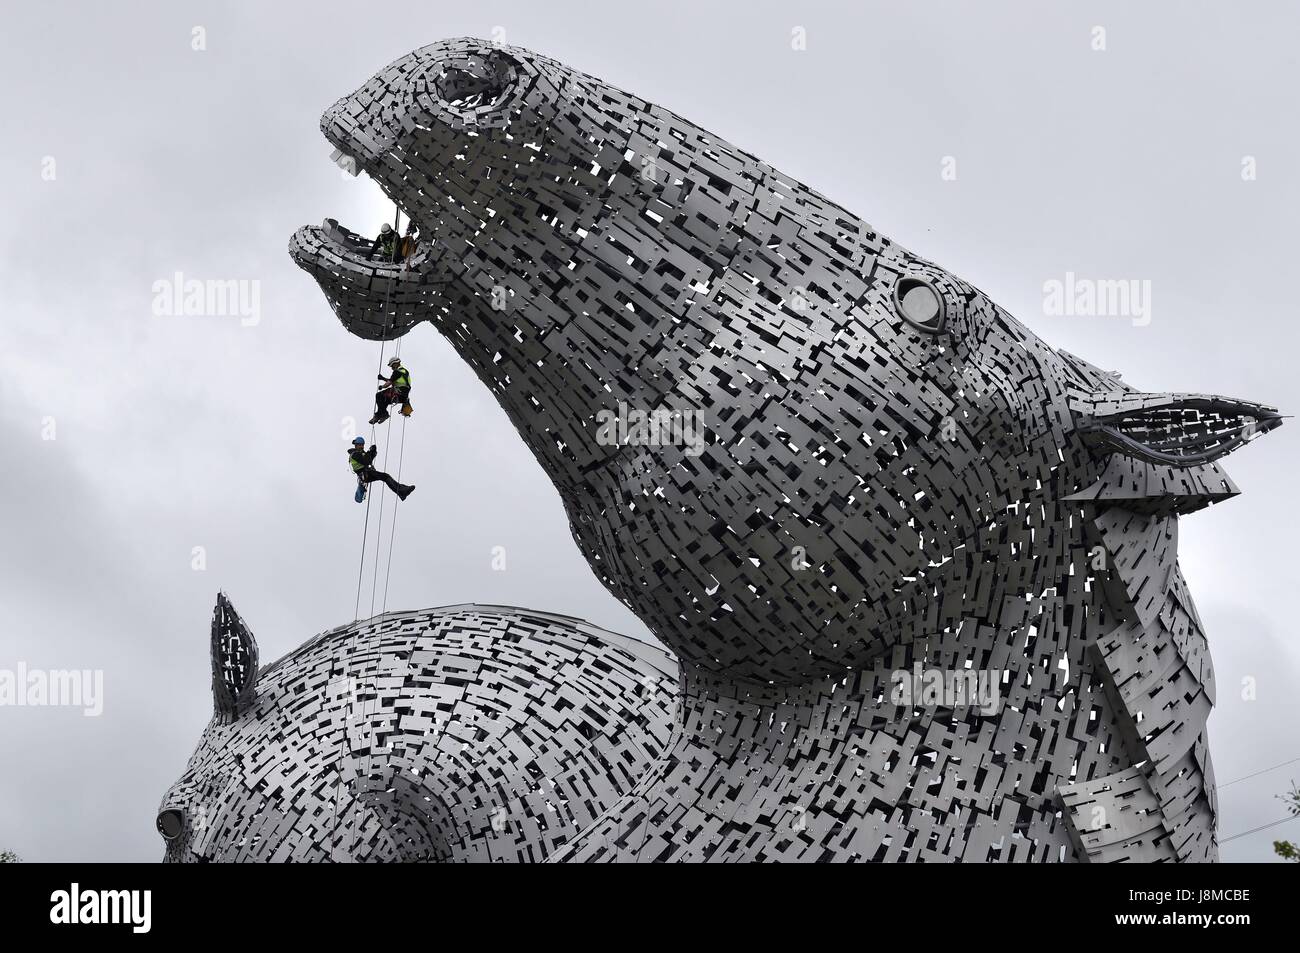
374, 299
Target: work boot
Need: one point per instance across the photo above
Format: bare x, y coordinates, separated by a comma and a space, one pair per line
406, 410
378, 419
404, 492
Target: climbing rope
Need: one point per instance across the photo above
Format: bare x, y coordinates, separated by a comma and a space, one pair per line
392, 530
401, 453
365, 533
379, 538
356, 611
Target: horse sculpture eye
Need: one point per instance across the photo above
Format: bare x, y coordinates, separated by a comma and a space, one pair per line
920, 304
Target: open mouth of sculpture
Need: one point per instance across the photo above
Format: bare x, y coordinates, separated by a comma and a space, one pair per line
351, 247
377, 292
380, 296
468, 93
1183, 432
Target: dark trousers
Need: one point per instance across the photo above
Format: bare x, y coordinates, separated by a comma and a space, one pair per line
390, 395
370, 475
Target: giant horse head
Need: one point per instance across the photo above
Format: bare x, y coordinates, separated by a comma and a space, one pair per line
881, 445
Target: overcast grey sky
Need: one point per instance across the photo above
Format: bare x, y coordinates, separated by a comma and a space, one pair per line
130, 156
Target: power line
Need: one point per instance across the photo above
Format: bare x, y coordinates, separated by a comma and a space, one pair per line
1247, 777
1260, 828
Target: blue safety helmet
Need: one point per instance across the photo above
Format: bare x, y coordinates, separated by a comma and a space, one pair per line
358, 441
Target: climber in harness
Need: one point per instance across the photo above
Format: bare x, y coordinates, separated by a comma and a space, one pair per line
385, 241
362, 461
396, 390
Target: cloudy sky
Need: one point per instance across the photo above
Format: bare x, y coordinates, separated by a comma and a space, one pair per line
153, 459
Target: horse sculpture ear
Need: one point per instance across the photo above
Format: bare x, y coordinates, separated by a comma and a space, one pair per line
1175, 430
234, 661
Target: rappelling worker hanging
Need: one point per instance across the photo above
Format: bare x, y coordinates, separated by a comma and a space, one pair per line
362, 461
396, 390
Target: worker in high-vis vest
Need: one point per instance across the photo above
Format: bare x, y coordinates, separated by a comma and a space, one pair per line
363, 460
385, 242
396, 390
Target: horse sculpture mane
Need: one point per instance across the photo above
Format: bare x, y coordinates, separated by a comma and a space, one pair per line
918, 568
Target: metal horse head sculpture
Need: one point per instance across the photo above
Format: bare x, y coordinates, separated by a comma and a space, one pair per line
919, 567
